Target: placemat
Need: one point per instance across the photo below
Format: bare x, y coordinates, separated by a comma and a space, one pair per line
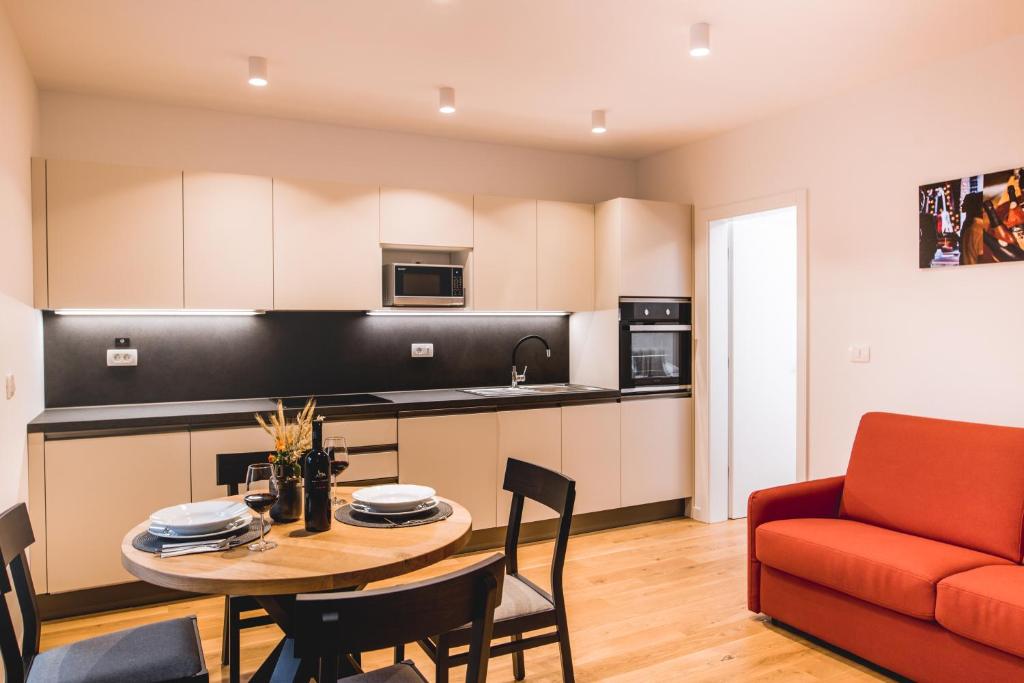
148, 543
347, 515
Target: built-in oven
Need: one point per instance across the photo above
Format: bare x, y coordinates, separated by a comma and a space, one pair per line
423, 284
655, 345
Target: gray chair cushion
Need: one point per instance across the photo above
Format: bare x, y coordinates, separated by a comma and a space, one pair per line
404, 672
518, 600
155, 653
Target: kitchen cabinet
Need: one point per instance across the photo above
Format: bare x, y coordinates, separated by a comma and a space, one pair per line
565, 256
114, 236
657, 249
326, 250
657, 450
590, 454
504, 254
426, 219
376, 464
229, 241
457, 455
534, 436
96, 490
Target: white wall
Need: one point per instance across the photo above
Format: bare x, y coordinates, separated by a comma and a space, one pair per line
21, 343
944, 342
122, 131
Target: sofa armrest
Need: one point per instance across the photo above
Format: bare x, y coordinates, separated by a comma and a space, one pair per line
817, 498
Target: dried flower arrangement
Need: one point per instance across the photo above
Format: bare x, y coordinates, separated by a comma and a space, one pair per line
291, 440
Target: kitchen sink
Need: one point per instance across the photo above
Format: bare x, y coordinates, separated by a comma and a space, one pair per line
531, 390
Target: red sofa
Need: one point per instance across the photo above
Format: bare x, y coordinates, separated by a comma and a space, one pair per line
913, 559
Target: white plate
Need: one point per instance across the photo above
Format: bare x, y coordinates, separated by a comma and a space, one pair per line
198, 518
393, 497
422, 507
235, 525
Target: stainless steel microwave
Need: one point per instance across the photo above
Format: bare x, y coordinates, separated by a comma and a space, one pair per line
423, 284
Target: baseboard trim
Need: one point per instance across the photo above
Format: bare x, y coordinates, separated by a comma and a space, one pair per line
140, 593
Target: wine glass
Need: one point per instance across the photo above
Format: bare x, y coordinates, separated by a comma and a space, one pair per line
337, 451
261, 493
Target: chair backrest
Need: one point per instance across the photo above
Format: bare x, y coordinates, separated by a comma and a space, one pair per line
328, 625
956, 482
552, 489
15, 537
231, 468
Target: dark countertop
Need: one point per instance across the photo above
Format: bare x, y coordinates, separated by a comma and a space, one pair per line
236, 413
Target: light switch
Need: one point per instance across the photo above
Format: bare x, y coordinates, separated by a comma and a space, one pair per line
422, 350
9, 386
860, 353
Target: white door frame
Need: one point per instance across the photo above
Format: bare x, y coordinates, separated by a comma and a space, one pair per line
711, 472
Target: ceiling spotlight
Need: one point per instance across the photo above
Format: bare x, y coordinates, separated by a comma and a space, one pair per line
446, 103
597, 124
700, 40
258, 71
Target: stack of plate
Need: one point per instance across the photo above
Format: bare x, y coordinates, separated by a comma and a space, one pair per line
394, 500
206, 519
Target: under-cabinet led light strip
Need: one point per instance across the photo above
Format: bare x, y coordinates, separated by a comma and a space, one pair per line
153, 311
397, 312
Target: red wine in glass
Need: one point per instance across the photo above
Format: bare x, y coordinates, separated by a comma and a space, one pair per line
260, 502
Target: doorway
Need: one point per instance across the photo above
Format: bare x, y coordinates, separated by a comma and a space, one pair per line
753, 320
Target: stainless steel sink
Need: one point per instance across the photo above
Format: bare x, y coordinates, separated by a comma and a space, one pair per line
530, 390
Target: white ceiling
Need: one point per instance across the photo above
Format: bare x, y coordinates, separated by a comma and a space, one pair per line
526, 72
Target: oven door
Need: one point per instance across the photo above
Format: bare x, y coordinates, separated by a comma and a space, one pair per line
655, 358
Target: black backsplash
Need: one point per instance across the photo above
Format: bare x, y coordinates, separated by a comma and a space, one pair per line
287, 353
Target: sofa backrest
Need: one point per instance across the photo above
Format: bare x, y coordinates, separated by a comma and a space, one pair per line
957, 482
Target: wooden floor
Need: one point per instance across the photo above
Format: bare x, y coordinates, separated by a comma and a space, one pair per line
664, 601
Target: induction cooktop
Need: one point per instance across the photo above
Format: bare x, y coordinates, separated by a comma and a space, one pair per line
331, 400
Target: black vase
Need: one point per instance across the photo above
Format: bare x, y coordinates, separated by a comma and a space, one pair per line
288, 507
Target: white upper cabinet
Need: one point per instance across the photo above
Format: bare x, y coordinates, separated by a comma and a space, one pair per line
114, 236
326, 250
426, 219
565, 256
657, 249
229, 241
504, 254
644, 248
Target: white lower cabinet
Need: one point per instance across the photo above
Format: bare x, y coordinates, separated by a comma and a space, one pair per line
98, 489
357, 433
207, 443
590, 454
657, 450
457, 455
534, 436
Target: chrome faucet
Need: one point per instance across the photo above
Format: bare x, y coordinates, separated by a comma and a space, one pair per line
518, 378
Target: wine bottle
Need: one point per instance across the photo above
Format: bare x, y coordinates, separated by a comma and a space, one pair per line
316, 477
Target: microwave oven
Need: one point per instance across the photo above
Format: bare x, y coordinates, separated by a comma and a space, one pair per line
423, 284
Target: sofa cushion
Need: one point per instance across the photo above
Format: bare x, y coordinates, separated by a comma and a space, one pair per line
956, 482
887, 568
986, 605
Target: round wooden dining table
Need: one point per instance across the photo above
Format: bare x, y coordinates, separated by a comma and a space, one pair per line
344, 558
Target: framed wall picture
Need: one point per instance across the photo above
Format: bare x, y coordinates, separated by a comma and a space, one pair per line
971, 220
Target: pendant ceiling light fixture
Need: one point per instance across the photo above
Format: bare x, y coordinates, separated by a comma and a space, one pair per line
700, 40
597, 122
258, 71
446, 100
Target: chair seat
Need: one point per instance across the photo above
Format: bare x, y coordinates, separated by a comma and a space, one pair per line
519, 599
403, 672
155, 653
884, 567
985, 605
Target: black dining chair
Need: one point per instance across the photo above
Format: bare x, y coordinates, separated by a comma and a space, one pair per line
327, 627
231, 469
524, 605
164, 652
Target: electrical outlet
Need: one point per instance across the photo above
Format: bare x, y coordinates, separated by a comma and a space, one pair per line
9, 387
117, 358
422, 350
